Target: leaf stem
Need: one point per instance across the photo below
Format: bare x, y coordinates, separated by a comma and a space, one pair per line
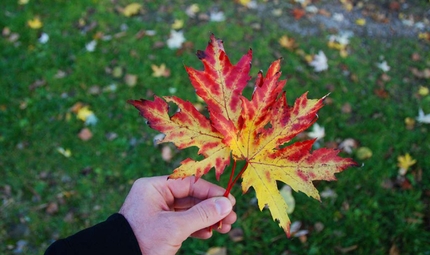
230, 182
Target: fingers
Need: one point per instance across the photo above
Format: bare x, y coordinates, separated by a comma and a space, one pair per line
200, 189
225, 227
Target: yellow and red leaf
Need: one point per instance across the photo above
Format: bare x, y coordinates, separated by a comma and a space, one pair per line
258, 131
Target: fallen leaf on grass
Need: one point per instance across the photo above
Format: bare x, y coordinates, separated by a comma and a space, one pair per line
423, 91
166, 153
217, 251
298, 13
86, 115
383, 66
176, 39
328, 193
424, 36
394, 250
23, 2
404, 162
65, 152
192, 10
364, 153
348, 145
319, 62
60, 74
35, 23
318, 132
295, 229
85, 134
160, 71
360, 22
286, 193
311, 9
422, 117
236, 234
44, 38
216, 16
91, 46
288, 43
346, 249
117, 71
158, 139
347, 4
410, 123
130, 80
52, 208
131, 9
178, 24
110, 136
424, 74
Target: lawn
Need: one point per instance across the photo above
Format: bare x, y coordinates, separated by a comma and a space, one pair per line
71, 147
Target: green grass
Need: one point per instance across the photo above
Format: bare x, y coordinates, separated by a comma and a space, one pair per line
92, 183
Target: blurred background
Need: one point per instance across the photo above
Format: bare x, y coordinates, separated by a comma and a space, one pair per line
71, 147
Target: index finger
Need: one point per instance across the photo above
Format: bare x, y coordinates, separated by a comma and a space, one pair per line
201, 189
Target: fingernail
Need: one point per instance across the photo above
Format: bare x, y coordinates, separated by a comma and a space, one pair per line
223, 205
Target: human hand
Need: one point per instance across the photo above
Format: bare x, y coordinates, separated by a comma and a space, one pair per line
163, 213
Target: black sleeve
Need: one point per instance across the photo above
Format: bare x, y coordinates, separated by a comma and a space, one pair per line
111, 237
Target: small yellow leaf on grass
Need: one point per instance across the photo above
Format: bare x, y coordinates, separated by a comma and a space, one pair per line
244, 2
404, 162
66, 153
160, 71
360, 22
178, 24
423, 91
425, 36
131, 9
23, 2
84, 112
288, 43
217, 251
410, 123
364, 153
35, 23
86, 115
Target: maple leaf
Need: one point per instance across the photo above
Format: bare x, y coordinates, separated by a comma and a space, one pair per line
131, 9
159, 71
404, 162
288, 43
35, 23
258, 131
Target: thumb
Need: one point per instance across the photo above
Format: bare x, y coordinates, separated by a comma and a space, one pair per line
203, 214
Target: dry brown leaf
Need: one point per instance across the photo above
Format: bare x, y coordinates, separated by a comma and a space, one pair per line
346, 108
287, 42
324, 12
415, 56
236, 234
52, 208
298, 13
424, 74
346, 249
